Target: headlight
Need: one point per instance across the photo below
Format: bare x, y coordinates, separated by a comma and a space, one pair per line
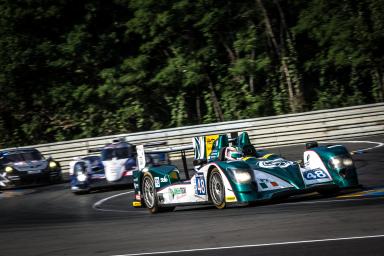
52, 164
80, 168
347, 161
336, 162
341, 162
243, 177
81, 177
8, 169
240, 176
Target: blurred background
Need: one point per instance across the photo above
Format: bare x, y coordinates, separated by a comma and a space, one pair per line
77, 69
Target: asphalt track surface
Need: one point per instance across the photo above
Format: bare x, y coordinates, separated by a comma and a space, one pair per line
50, 220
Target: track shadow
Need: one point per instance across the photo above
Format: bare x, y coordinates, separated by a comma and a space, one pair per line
276, 201
111, 188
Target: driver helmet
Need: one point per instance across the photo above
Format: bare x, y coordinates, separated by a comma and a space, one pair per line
232, 153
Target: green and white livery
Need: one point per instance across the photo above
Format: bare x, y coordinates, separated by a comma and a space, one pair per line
227, 174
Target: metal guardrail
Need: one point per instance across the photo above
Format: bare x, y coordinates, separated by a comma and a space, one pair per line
273, 131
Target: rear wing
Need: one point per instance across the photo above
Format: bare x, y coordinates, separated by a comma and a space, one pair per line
95, 150
210, 147
150, 144
206, 148
203, 146
142, 152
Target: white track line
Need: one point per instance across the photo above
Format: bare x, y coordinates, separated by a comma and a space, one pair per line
254, 245
97, 205
378, 144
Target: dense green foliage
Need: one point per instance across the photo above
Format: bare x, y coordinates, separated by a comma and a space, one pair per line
74, 69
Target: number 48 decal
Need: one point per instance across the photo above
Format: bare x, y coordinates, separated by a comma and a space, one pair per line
200, 185
315, 174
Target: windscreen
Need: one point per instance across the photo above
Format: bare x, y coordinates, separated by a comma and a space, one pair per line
118, 153
22, 156
31, 155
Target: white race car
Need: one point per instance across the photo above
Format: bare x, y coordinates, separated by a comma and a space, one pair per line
114, 166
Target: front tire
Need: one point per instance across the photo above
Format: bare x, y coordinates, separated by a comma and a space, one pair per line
217, 189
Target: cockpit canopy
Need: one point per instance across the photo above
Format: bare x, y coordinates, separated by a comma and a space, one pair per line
20, 155
121, 150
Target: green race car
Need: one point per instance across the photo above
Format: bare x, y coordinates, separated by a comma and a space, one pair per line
238, 174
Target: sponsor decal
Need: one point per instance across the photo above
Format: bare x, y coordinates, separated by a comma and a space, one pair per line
164, 179
200, 188
198, 146
177, 192
230, 198
136, 204
137, 197
306, 162
278, 163
214, 154
157, 182
140, 156
264, 183
315, 174
209, 140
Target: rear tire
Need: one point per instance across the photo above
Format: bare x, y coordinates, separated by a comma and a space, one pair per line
217, 189
150, 195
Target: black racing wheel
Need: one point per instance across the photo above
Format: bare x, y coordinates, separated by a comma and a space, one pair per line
217, 189
150, 195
